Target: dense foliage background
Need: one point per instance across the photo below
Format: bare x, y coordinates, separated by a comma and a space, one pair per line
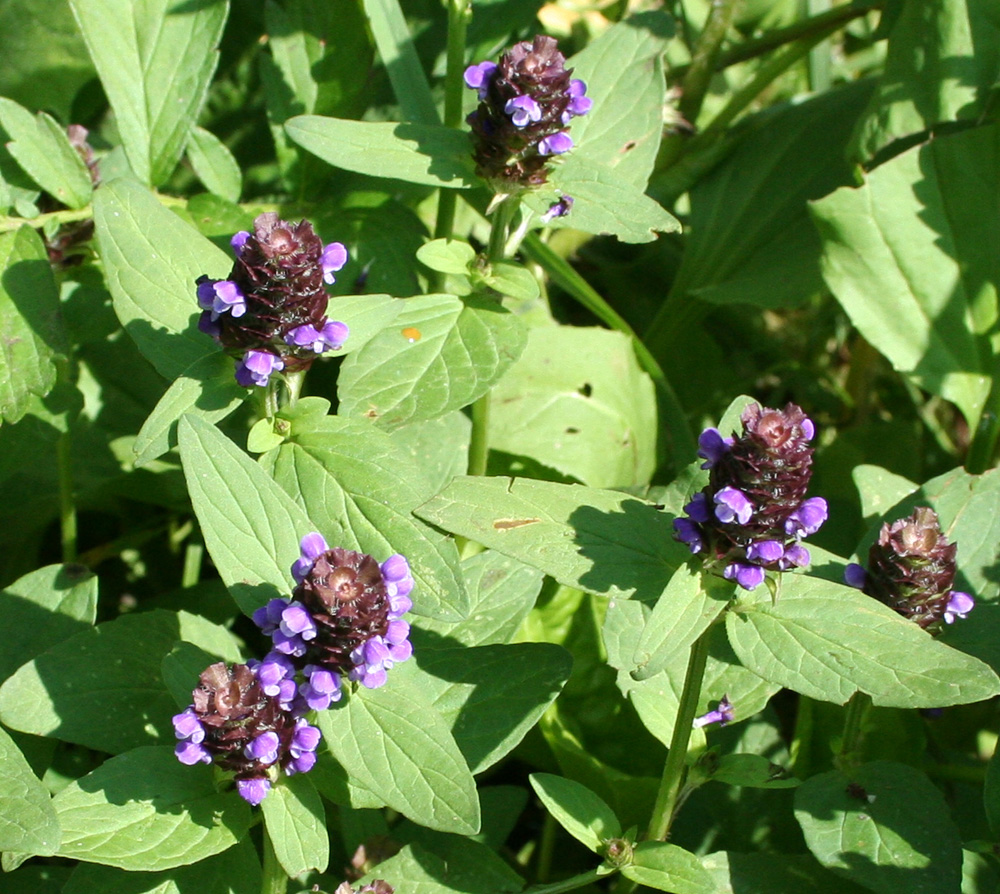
794, 200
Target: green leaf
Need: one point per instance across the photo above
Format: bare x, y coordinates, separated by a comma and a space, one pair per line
445, 354
913, 235
416, 767
605, 203
156, 59
492, 695
512, 280
145, 810
751, 240
603, 542
426, 154
214, 164
690, 603
252, 527
578, 402
991, 793
828, 641
447, 255
879, 490
103, 688
667, 867
440, 447
29, 318
206, 389
365, 315
942, 61
42, 148
884, 826
43, 608
577, 809
151, 260
359, 491
28, 823
749, 771
234, 871
736, 873
623, 71
502, 591
399, 56
296, 824
417, 871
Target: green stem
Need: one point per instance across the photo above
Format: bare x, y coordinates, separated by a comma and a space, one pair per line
983, 449
60, 217
698, 76
273, 878
674, 768
847, 756
479, 446
570, 884
293, 386
546, 849
193, 554
67, 502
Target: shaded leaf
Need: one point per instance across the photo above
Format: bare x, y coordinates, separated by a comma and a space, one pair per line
667, 867
577, 809
28, 823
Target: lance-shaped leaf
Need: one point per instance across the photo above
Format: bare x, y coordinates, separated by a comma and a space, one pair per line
441, 354
155, 59
393, 743
941, 63
43, 149
427, 154
295, 820
907, 257
43, 608
252, 527
29, 318
151, 260
828, 641
359, 490
418, 871
595, 540
103, 687
492, 695
214, 164
577, 809
667, 867
884, 825
145, 810
28, 823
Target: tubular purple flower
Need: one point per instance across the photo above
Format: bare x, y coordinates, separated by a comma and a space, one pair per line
579, 103
208, 325
711, 446
766, 551
320, 688
268, 617
557, 144
190, 753
274, 670
855, 576
256, 368
959, 605
523, 110
688, 532
330, 338
796, 556
698, 508
559, 208
333, 259
807, 519
312, 546
254, 790
263, 748
478, 77
219, 296
747, 576
732, 505
398, 585
721, 715
238, 241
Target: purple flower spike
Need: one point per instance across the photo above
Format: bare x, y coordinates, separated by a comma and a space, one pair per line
330, 338
263, 748
253, 791
959, 605
731, 505
320, 688
333, 258
855, 576
557, 144
312, 547
687, 532
256, 367
523, 110
747, 576
478, 77
721, 715
712, 446
807, 519
766, 551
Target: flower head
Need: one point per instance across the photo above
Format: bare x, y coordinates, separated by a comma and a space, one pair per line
344, 619
911, 568
526, 102
271, 310
751, 516
238, 721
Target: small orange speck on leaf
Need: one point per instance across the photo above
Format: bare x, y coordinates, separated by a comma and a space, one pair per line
411, 334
